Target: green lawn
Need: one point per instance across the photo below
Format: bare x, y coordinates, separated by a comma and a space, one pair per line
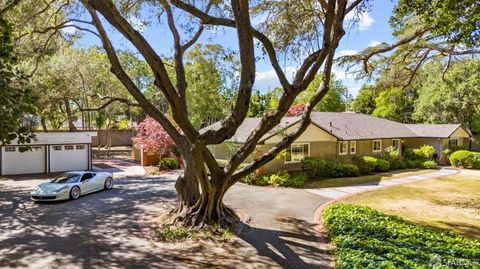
449, 203
349, 181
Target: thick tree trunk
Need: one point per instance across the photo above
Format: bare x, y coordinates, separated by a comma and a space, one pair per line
204, 206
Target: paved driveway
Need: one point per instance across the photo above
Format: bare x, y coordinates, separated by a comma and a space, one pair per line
101, 231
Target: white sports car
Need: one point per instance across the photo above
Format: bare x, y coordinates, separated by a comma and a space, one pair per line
72, 185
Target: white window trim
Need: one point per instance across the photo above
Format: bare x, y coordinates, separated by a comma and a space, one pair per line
456, 138
399, 143
56, 146
354, 143
340, 148
373, 145
296, 144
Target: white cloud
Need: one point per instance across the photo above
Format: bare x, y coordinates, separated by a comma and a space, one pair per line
69, 30
374, 43
267, 80
346, 52
364, 20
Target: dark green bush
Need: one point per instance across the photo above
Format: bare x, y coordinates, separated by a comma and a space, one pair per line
168, 163
298, 179
425, 152
316, 168
365, 164
411, 164
462, 158
366, 238
397, 164
429, 165
345, 170
382, 165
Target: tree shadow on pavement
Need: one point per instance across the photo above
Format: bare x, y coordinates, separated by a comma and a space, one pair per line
296, 246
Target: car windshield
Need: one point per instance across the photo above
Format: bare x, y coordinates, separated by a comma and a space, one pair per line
67, 178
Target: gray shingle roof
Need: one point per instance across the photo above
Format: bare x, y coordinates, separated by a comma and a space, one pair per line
351, 126
433, 130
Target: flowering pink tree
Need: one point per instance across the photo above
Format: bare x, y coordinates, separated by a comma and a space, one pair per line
152, 137
296, 110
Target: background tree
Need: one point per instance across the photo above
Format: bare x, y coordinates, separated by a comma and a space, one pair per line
16, 100
454, 100
151, 137
334, 101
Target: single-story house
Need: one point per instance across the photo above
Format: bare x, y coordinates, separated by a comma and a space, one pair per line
334, 135
51, 152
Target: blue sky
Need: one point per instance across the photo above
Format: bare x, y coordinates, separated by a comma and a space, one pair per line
372, 28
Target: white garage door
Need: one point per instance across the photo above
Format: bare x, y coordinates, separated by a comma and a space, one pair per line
68, 158
15, 162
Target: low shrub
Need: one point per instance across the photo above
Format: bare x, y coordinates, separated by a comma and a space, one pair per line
391, 154
411, 164
168, 163
382, 165
366, 238
463, 158
345, 170
298, 179
397, 164
427, 151
317, 168
278, 179
429, 164
365, 164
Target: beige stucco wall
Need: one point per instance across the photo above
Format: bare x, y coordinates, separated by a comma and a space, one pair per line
325, 150
365, 147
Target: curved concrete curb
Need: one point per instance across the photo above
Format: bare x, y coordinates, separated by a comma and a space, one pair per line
317, 216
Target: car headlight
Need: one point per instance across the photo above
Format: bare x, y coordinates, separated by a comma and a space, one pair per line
61, 189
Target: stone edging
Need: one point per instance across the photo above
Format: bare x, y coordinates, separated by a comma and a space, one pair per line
317, 216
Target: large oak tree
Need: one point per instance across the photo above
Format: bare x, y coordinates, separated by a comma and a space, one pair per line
203, 185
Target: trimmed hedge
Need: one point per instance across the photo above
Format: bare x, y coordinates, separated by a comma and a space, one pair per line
429, 165
466, 159
382, 165
169, 163
366, 238
317, 168
345, 170
366, 164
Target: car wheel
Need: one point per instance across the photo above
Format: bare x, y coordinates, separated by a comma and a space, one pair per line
75, 193
108, 183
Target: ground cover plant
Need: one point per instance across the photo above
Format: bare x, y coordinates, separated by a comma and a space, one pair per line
366, 238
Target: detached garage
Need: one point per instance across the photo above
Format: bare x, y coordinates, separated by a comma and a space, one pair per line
51, 152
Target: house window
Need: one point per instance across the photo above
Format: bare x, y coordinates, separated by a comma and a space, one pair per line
57, 148
353, 147
37, 148
343, 148
10, 149
68, 147
453, 142
377, 145
80, 147
297, 152
396, 144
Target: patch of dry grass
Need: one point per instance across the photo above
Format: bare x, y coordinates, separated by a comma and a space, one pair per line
350, 181
448, 203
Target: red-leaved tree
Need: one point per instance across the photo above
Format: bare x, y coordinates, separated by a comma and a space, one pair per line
296, 110
152, 138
